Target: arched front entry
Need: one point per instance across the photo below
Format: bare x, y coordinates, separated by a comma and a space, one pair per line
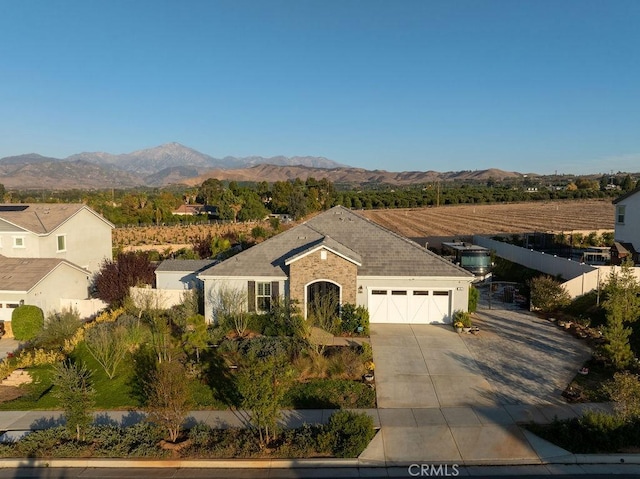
324, 295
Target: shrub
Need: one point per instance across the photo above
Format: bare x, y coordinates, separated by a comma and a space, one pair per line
26, 321
624, 391
58, 328
354, 319
330, 394
547, 294
474, 296
284, 319
348, 433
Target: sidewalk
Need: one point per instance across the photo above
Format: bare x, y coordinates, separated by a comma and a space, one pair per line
455, 435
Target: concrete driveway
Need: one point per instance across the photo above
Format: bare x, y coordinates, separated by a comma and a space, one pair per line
425, 366
447, 397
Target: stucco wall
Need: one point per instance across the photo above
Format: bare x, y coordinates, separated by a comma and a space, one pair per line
87, 238
312, 267
629, 231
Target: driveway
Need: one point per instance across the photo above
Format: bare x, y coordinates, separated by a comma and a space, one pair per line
8, 345
449, 397
527, 360
425, 366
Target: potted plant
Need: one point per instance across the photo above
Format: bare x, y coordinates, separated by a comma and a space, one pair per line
462, 321
369, 366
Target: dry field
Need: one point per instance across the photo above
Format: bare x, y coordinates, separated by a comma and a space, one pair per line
556, 216
551, 216
141, 238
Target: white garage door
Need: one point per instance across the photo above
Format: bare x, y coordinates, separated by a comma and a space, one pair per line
387, 305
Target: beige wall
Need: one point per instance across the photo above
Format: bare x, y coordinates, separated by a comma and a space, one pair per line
88, 242
312, 267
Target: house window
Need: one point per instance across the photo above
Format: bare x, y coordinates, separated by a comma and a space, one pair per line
620, 214
18, 241
263, 296
62, 243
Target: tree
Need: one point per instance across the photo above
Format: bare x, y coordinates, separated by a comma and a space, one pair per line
26, 322
622, 306
114, 279
107, 343
168, 397
627, 183
194, 334
262, 383
72, 386
547, 294
2, 192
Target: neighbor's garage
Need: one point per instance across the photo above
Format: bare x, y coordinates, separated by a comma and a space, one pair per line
407, 306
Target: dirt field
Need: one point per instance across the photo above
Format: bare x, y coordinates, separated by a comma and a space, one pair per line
552, 216
557, 216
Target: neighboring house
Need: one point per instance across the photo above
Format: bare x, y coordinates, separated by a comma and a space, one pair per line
627, 227
188, 210
341, 252
72, 232
181, 273
42, 282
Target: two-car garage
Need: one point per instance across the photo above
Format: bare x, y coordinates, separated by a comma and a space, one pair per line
409, 306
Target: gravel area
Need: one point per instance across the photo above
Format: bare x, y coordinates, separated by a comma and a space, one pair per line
527, 360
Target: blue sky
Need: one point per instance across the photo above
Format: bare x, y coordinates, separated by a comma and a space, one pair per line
530, 86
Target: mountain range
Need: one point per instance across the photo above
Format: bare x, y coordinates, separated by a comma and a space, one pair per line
174, 163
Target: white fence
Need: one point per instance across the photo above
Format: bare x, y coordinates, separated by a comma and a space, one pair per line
581, 278
156, 298
85, 307
547, 263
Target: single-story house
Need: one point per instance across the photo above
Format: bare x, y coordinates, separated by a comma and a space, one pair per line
41, 282
342, 253
181, 273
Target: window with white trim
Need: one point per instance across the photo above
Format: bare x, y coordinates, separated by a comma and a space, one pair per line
263, 296
620, 214
18, 242
61, 243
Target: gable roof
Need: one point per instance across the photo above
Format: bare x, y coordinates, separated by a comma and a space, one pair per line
42, 218
332, 245
185, 265
23, 274
379, 251
626, 195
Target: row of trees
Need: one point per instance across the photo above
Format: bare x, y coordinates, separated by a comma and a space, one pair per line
253, 201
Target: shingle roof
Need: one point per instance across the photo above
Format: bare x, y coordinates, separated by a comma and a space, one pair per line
22, 274
382, 252
41, 218
185, 265
331, 244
